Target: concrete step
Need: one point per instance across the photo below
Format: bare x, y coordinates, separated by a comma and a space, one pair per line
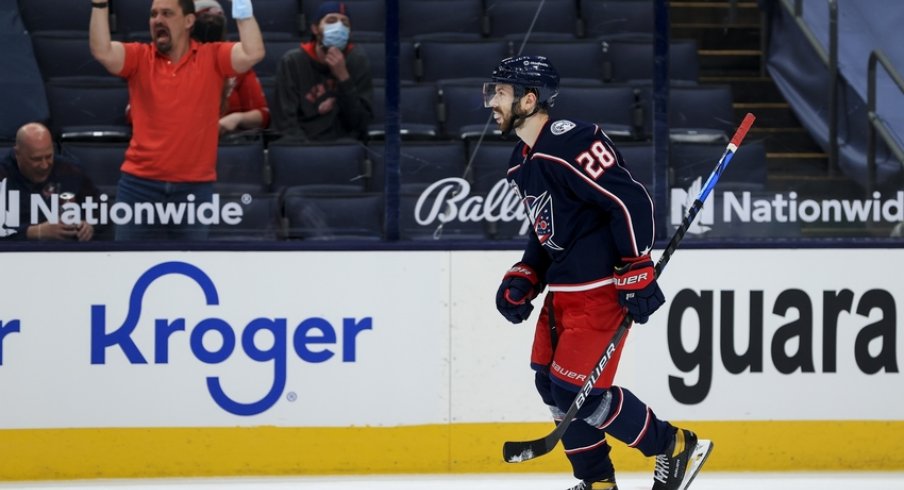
760, 89
716, 36
768, 114
713, 12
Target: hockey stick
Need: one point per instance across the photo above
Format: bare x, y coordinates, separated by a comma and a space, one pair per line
518, 451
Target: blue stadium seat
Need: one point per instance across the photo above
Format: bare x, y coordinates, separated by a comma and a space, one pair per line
747, 169
631, 60
609, 18
100, 161
417, 107
241, 168
611, 106
445, 60
317, 164
430, 17
275, 49
514, 17
697, 114
131, 19
88, 108
462, 112
49, 15
638, 158
376, 54
573, 59
261, 218
23, 97
276, 18
332, 216
421, 163
420, 224
65, 56
489, 163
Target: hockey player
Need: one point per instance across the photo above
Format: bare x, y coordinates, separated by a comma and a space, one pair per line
592, 235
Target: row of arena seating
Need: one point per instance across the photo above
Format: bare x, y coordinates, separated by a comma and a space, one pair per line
471, 18
450, 109
612, 61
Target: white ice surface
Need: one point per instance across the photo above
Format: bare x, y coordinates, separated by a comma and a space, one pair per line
627, 481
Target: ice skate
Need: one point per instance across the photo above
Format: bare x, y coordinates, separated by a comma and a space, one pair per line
607, 484
676, 469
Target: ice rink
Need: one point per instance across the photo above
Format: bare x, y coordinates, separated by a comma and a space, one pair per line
630, 481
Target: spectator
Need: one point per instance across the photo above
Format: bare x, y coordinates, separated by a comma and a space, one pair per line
32, 169
175, 87
324, 88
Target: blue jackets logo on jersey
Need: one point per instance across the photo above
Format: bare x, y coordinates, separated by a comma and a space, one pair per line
541, 215
309, 339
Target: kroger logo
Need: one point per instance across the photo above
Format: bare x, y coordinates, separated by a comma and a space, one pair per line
308, 333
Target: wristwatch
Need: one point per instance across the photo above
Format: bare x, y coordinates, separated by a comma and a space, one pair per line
100, 5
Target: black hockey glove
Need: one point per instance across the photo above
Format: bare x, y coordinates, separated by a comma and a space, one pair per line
637, 289
519, 286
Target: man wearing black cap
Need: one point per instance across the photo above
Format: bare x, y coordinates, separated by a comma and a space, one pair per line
324, 88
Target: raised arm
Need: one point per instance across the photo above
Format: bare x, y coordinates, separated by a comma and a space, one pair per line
111, 54
250, 48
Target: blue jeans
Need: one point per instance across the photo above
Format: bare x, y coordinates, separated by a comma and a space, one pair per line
133, 190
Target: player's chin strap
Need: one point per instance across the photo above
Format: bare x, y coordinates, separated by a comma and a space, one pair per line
516, 118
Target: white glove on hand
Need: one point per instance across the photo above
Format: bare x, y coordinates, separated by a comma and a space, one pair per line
241, 9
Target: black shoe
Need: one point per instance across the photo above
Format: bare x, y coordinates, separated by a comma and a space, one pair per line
676, 469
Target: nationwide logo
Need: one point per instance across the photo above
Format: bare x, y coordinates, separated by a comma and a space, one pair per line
103, 212
9, 210
764, 208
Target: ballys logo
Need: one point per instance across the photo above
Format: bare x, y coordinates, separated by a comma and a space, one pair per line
314, 330
450, 200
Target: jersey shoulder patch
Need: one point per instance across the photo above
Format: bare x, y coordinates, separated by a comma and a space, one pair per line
561, 126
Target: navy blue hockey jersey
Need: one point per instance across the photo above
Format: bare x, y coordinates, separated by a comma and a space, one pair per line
587, 212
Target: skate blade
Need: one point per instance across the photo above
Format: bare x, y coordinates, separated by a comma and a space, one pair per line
698, 457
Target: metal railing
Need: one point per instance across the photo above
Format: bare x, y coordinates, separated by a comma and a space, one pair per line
876, 125
830, 59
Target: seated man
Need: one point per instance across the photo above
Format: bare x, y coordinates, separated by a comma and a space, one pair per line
324, 89
34, 172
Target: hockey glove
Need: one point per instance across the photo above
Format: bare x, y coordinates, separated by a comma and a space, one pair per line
637, 289
519, 286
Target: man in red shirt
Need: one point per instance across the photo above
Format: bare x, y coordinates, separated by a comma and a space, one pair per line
175, 86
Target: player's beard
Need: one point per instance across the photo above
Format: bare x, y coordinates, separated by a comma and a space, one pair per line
511, 121
164, 46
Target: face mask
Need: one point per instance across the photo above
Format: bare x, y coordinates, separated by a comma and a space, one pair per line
335, 34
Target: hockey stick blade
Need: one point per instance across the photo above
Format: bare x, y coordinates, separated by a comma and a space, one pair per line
519, 451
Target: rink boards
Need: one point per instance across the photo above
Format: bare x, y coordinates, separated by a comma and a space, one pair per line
223, 363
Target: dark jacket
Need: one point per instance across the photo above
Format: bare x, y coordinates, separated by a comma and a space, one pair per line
64, 177
303, 83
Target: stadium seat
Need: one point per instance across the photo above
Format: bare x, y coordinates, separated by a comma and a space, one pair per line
241, 168
431, 17
279, 19
746, 170
420, 163
631, 60
332, 216
697, 114
611, 106
368, 17
489, 163
275, 49
445, 60
100, 161
65, 56
130, 19
424, 223
317, 164
514, 17
376, 55
48, 15
462, 112
261, 218
573, 59
417, 107
638, 158
609, 18
88, 108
